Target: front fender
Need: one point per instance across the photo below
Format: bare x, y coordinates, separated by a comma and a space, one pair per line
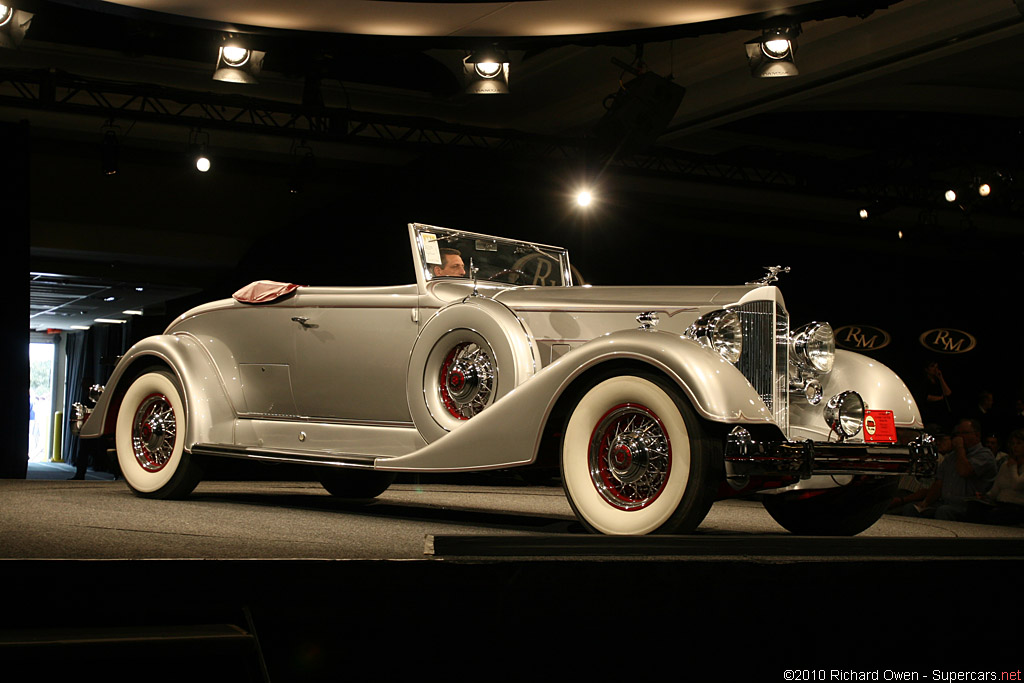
210, 414
508, 432
880, 387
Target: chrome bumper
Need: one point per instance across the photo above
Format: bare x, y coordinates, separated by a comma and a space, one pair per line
746, 457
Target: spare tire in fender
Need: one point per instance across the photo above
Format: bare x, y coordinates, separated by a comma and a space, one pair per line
466, 357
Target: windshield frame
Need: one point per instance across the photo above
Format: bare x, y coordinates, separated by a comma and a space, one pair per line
423, 274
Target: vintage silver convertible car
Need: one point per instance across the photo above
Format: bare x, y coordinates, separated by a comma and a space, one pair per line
652, 401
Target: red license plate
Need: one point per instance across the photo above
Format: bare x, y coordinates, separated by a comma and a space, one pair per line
879, 426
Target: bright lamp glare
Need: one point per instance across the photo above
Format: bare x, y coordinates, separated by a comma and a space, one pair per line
984, 189
5, 14
776, 48
202, 164
584, 198
488, 69
863, 213
950, 196
235, 56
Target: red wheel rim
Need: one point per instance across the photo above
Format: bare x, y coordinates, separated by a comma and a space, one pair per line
154, 431
466, 380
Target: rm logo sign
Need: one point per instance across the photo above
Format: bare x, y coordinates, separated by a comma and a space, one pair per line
862, 338
948, 340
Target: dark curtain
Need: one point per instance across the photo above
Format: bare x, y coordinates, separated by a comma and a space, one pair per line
74, 348
91, 357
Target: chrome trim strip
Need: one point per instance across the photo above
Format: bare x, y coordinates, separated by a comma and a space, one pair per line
327, 420
319, 458
609, 308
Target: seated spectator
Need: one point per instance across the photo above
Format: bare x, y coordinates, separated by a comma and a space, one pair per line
991, 442
962, 476
1007, 492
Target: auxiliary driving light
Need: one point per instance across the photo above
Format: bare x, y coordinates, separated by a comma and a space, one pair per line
844, 413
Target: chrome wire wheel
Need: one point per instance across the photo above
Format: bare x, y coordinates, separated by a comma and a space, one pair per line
630, 456
465, 381
635, 458
154, 431
150, 437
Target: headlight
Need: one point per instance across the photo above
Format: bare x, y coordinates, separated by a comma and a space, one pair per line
844, 413
814, 347
721, 331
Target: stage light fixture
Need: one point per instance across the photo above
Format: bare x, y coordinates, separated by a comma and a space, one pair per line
771, 55
984, 189
950, 196
486, 72
13, 24
864, 215
584, 198
203, 163
236, 63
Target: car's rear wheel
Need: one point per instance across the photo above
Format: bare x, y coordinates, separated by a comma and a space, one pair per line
636, 459
841, 511
150, 436
355, 484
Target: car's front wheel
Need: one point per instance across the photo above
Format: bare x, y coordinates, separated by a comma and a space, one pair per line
636, 459
841, 511
150, 436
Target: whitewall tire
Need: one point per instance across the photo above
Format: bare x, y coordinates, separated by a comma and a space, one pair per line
636, 459
150, 437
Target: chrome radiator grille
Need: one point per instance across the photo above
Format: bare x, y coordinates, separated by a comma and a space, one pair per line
764, 360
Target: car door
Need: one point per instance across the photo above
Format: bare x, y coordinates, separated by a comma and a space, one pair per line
352, 353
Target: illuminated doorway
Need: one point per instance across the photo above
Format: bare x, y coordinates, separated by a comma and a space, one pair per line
41, 358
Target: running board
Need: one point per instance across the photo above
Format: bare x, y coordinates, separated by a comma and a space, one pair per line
297, 457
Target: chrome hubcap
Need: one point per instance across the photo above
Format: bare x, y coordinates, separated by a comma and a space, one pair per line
467, 380
629, 457
153, 432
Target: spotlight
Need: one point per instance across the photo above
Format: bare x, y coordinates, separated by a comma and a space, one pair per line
13, 24
984, 189
108, 152
238, 64
863, 213
950, 196
202, 159
771, 55
584, 198
486, 72
199, 143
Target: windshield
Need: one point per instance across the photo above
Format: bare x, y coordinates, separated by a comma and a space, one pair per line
445, 253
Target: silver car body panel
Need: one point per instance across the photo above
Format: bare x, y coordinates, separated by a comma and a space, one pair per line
344, 375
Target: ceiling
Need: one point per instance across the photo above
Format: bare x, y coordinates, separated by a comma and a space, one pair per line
894, 103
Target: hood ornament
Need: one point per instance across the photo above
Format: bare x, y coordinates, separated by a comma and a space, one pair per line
771, 276
648, 320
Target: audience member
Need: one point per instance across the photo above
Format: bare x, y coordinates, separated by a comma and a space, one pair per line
962, 476
984, 412
1007, 492
936, 406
